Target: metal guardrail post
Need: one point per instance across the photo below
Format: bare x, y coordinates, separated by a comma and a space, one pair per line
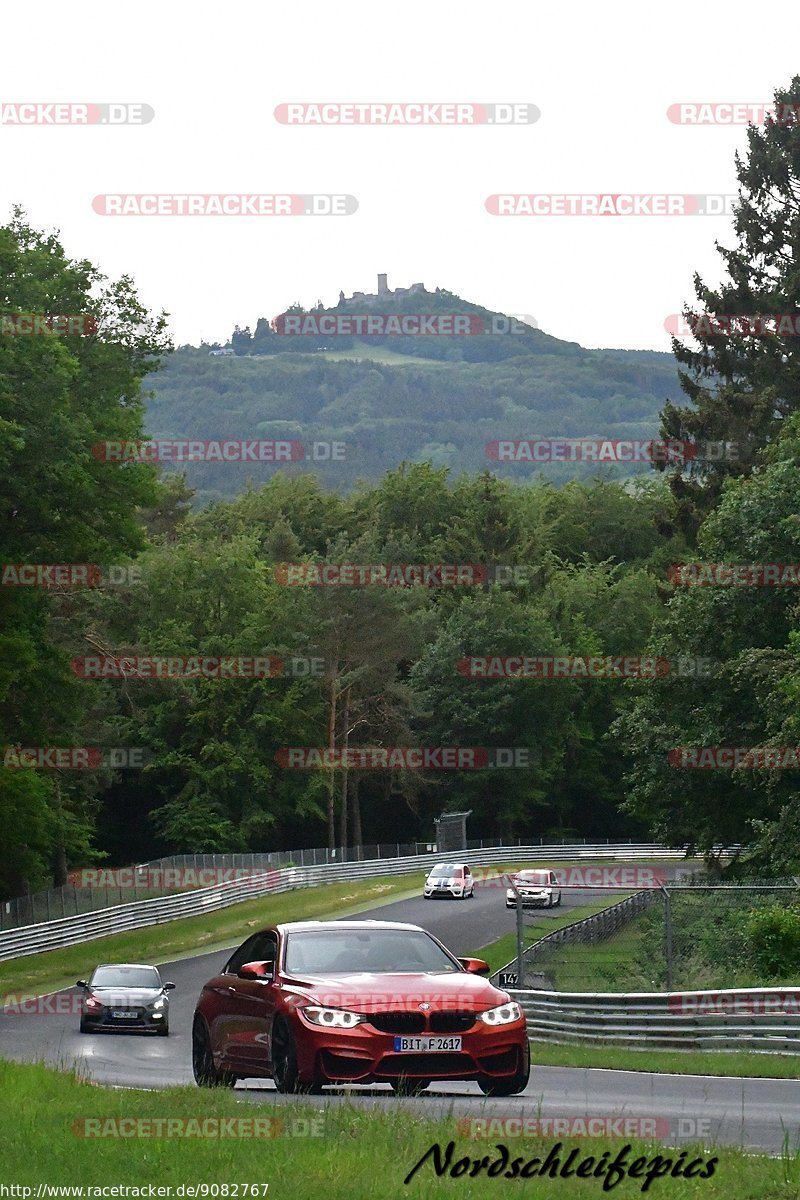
520, 938
668, 956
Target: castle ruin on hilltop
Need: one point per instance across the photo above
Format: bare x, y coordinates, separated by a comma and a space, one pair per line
384, 293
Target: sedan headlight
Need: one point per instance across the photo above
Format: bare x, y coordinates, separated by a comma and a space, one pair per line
93, 1002
160, 1003
333, 1018
504, 1015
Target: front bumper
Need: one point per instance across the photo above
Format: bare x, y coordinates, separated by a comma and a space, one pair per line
453, 892
366, 1055
144, 1021
534, 899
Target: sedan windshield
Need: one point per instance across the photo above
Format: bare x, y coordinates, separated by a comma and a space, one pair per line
126, 977
444, 872
350, 951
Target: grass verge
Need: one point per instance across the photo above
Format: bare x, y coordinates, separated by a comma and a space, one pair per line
739, 1063
55, 969
354, 1155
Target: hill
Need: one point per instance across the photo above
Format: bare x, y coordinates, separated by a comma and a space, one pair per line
394, 398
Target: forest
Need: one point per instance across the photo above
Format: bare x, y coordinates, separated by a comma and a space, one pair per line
303, 610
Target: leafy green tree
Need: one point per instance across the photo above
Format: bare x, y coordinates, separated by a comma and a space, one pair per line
62, 395
529, 715
746, 696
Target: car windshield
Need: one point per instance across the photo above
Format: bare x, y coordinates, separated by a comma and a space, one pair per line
539, 877
126, 977
353, 951
446, 871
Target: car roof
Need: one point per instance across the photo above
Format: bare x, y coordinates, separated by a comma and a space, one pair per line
319, 926
139, 966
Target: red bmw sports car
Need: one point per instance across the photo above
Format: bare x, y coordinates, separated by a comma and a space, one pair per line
330, 1002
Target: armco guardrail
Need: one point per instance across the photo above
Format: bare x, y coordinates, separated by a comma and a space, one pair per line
68, 931
142, 881
738, 1019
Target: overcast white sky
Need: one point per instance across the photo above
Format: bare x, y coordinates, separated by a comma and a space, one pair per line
602, 75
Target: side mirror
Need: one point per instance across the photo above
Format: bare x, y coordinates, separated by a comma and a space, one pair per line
81, 983
257, 970
475, 966
168, 987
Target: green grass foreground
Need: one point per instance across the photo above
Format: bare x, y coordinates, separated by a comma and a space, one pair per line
738, 1063
56, 969
352, 1154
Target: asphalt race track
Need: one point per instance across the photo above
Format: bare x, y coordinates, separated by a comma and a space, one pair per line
756, 1113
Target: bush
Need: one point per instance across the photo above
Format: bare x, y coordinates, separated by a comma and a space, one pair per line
773, 940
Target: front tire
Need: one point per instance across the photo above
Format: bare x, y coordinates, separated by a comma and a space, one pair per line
285, 1071
511, 1086
205, 1071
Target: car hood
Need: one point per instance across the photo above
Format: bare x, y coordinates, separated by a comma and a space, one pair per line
402, 992
117, 995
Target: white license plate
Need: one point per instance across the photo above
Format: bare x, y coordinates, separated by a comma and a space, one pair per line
123, 1014
426, 1045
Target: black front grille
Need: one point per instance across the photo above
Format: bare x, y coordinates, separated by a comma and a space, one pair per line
503, 1063
424, 1065
451, 1022
399, 1022
344, 1066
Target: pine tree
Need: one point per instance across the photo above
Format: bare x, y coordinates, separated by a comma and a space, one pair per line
743, 380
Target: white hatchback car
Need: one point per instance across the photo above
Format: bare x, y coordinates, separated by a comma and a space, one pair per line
540, 888
449, 879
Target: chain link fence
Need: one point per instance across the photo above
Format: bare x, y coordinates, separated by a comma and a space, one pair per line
670, 935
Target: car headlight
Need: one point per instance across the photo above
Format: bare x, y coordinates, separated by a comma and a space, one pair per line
160, 1003
333, 1018
504, 1015
93, 1002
